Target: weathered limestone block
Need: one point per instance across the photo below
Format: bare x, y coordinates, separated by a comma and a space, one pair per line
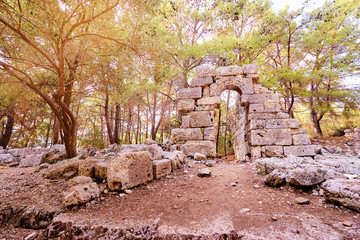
209, 100
205, 108
256, 107
128, 170
58, 169
207, 148
79, 180
259, 89
81, 194
206, 91
32, 160
301, 139
250, 68
100, 170
231, 70
272, 107
205, 70
156, 151
260, 98
161, 168
282, 115
86, 167
300, 151
185, 105
185, 134
256, 152
282, 123
201, 81
256, 124
271, 137
186, 93
185, 121
273, 151
209, 134
246, 85
150, 141
254, 116
177, 159
299, 131
201, 119
307, 175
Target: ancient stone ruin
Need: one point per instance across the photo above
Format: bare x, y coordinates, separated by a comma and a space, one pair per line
259, 127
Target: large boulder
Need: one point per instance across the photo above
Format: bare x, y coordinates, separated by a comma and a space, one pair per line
306, 176
156, 151
57, 170
177, 159
81, 193
128, 170
343, 191
32, 160
6, 158
276, 178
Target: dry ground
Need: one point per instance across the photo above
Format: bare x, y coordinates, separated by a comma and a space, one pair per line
183, 204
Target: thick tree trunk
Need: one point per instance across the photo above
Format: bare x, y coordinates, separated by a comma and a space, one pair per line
5, 138
56, 131
153, 118
316, 122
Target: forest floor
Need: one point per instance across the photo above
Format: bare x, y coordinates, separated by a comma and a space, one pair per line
233, 199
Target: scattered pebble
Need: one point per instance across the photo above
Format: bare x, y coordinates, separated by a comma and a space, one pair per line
347, 224
244, 210
256, 186
302, 200
128, 191
273, 219
233, 184
205, 172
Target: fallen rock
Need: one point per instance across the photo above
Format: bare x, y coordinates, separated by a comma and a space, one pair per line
204, 172
31, 160
275, 178
128, 170
161, 168
87, 166
57, 170
79, 180
100, 170
306, 176
345, 192
6, 158
199, 157
149, 141
302, 200
81, 194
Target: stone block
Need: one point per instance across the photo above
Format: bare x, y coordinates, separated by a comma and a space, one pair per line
282, 115
271, 137
207, 148
161, 168
128, 170
250, 68
273, 151
206, 91
185, 121
209, 134
100, 170
205, 107
296, 131
272, 107
259, 89
256, 124
32, 160
209, 101
205, 70
256, 107
218, 71
80, 194
257, 116
58, 169
86, 167
185, 105
177, 159
255, 152
186, 93
260, 98
282, 123
201, 81
231, 70
301, 139
300, 151
201, 119
155, 151
186, 134
245, 84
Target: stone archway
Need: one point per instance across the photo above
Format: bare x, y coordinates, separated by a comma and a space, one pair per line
260, 129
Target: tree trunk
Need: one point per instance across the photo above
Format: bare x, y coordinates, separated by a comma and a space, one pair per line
316, 122
107, 120
5, 138
218, 130
56, 131
117, 120
153, 118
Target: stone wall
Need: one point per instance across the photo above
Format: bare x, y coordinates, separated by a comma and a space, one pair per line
259, 127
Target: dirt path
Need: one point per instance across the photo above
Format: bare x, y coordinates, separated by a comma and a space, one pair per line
186, 205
